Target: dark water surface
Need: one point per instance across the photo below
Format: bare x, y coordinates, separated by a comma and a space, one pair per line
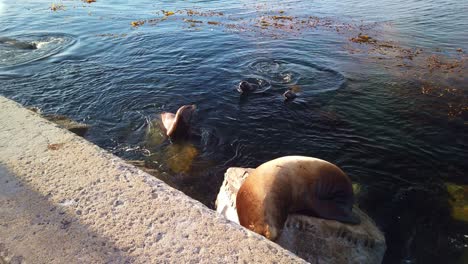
392, 114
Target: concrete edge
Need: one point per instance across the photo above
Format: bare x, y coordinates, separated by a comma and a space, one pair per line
63, 199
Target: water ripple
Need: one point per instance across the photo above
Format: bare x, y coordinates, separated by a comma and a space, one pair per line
48, 44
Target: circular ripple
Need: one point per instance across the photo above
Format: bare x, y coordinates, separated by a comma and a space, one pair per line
47, 45
266, 66
307, 77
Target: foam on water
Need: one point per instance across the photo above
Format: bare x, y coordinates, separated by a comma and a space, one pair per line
47, 45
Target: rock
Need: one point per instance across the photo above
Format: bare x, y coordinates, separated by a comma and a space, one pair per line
63, 121
78, 128
313, 239
458, 201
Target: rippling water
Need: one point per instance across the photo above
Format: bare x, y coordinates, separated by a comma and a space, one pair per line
392, 114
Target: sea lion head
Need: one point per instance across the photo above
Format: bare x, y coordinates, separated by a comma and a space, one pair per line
246, 87
18, 44
289, 95
178, 125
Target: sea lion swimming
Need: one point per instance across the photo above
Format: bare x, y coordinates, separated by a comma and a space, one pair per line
178, 125
294, 184
289, 95
18, 44
245, 87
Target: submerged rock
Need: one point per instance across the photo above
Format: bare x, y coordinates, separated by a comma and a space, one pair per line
313, 239
458, 201
64, 122
180, 157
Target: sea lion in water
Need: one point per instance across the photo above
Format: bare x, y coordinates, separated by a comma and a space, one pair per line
289, 95
178, 125
245, 87
294, 184
18, 44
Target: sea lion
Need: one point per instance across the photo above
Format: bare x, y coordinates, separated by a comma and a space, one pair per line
294, 184
18, 44
178, 125
289, 95
245, 87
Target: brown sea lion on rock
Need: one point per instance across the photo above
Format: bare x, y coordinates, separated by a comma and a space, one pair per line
178, 125
294, 184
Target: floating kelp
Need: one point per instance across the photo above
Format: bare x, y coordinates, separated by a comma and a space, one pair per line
137, 23
111, 35
193, 21
168, 13
57, 7
452, 100
459, 201
363, 39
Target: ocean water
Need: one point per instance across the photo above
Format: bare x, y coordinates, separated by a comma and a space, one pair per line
391, 111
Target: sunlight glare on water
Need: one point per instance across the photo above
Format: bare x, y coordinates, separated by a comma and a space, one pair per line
2, 7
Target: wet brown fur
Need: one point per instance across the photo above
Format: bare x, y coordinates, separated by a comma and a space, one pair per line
286, 185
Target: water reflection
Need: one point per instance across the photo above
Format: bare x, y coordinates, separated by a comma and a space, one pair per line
387, 112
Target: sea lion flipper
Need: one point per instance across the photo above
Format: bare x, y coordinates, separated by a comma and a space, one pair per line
167, 120
330, 209
187, 112
178, 125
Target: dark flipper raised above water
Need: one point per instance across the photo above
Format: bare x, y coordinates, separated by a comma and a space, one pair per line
17, 43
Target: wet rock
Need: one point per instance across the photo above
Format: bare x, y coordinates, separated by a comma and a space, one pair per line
458, 201
64, 122
313, 239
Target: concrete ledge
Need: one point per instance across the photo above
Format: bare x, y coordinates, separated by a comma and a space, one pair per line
65, 200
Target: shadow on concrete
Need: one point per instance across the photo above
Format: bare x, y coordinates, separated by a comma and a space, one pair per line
35, 230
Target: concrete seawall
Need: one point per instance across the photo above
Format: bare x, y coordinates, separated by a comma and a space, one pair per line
65, 200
